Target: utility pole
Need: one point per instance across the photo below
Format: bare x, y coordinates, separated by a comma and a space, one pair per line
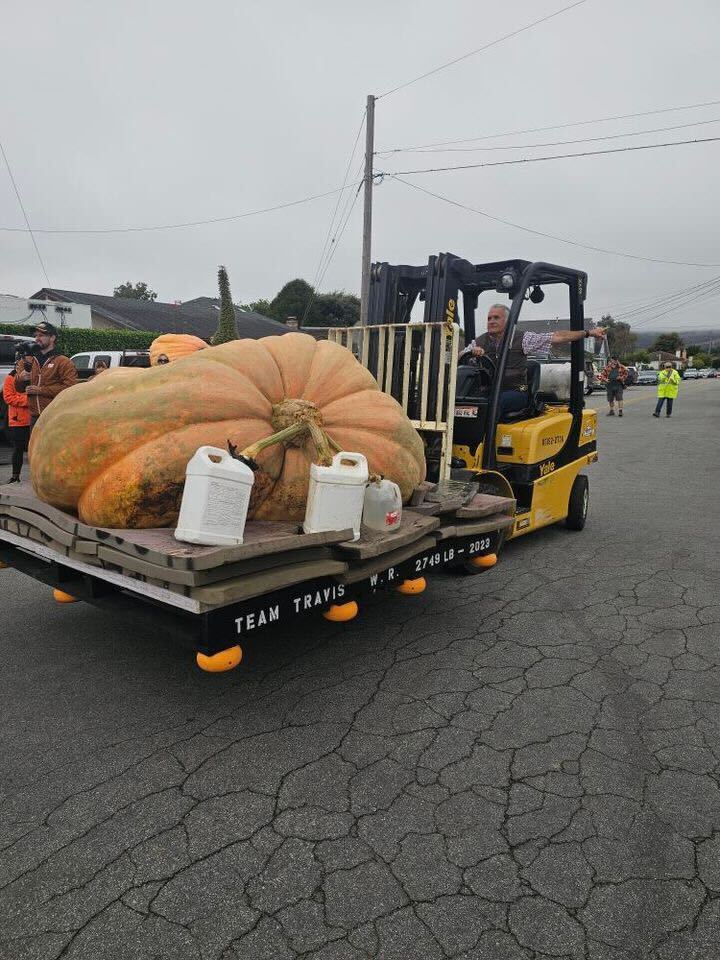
367, 212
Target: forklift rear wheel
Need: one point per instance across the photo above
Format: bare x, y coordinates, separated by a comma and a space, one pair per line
220, 662
61, 597
578, 503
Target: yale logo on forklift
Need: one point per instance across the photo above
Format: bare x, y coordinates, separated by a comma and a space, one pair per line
546, 468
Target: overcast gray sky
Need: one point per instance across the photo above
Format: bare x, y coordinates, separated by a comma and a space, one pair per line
137, 113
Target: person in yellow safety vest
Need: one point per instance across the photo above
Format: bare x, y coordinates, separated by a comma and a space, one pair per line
668, 380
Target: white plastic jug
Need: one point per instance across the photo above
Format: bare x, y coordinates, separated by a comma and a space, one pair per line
336, 493
215, 499
382, 509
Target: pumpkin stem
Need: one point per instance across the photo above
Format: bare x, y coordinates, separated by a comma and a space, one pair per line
322, 444
281, 436
334, 446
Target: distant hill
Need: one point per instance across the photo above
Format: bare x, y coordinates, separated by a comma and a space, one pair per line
703, 338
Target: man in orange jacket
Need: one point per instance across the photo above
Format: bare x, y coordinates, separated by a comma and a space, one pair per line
18, 420
49, 373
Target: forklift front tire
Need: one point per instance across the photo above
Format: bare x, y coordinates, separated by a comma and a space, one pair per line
578, 503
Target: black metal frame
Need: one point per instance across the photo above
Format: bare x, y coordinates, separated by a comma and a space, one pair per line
222, 627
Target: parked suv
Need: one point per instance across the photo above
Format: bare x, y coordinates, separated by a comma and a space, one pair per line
8, 345
692, 373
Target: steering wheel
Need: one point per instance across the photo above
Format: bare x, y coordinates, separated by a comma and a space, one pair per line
486, 369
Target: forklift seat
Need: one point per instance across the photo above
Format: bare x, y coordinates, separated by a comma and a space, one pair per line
534, 405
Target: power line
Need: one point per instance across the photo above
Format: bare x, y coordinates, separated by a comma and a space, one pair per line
677, 308
561, 156
325, 249
338, 237
485, 46
22, 207
556, 126
339, 197
667, 299
547, 236
334, 244
189, 223
563, 143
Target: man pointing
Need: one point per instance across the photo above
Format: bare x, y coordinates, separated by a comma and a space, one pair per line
514, 384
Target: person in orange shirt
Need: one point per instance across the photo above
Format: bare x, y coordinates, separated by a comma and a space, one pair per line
18, 419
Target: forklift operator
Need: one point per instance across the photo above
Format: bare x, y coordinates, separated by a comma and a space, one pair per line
514, 395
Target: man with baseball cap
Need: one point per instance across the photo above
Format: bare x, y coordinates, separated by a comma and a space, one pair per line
46, 372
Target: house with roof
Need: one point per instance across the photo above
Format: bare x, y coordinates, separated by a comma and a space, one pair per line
198, 316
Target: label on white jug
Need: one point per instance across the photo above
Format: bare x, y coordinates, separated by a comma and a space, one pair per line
225, 505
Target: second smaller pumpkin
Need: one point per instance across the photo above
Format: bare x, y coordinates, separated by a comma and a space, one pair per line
174, 346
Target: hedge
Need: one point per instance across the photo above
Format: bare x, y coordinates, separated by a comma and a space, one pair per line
73, 340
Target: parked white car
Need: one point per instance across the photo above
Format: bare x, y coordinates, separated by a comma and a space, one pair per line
85, 362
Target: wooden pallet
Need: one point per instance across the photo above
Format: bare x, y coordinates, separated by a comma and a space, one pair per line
274, 555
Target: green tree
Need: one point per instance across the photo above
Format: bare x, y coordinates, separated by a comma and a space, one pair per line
639, 356
620, 340
292, 301
701, 360
667, 343
258, 306
334, 309
135, 291
227, 328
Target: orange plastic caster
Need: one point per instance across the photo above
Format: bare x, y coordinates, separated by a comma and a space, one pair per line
341, 612
412, 587
485, 562
220, 662
61, 597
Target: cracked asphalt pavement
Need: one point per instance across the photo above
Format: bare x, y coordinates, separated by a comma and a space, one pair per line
522, 764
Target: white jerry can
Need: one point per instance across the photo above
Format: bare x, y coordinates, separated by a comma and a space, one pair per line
336, 494
215, 499
382, 509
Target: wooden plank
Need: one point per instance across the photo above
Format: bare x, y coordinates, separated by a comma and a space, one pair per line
242, 588
420, 492
406, 367
87, 548
499, 521
372, 543
469, 528
197, 578
159, 546
360, 571
22, 495
453, 490
262, 538
40, 522
390, 360
427, 509
83, 566
427, 334
484, 505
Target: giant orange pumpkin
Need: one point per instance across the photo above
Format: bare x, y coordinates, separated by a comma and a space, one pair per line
115, 449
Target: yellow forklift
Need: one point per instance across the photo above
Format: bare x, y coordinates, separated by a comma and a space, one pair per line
534, 455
